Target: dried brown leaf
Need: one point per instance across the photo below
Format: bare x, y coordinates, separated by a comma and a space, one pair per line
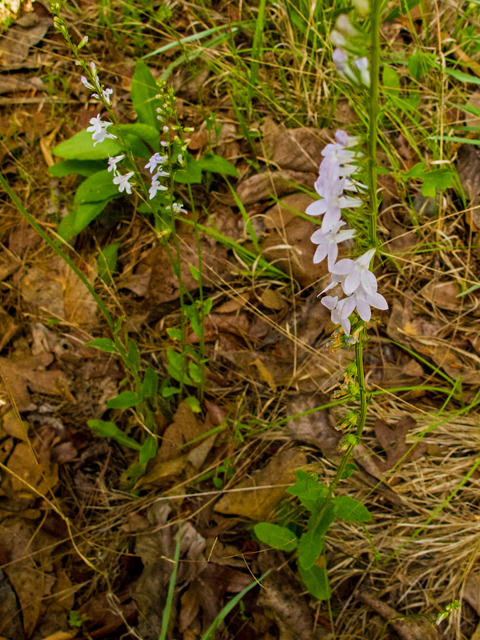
273, 184
258, 504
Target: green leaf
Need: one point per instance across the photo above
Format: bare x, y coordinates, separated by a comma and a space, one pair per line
276, 536
350, 509
110, 430
433, 180
124, 400
104, 344
168, 391
416, 171
391, 81
192, 168
195, 373
80, 147
463, 77
349, 470
107, 261
80, 167
207, 306
133, 356
176, 367
174, 333
143, 92
192, 314
144, 132
150, 384
87, 213
316, 581
193, 403
310, 547
309, 491
96, 188
195, 272
217, 164
148, 450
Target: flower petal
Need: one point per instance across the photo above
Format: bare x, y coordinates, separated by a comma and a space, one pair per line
321, 253
377, 301
369, 282
330, 302
363, 309
343, 267
351, 283
332, 255
317, 208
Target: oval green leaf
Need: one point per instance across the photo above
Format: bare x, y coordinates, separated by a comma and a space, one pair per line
276, 536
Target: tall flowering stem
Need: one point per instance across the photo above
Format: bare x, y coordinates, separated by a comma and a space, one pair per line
373, 110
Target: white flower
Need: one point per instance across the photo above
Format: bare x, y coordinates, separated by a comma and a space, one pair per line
328, 242
106, 93
86, 83
341, 310
154, 161
163, 143
345, 27
365, 300
112, 163
156, 186
98, 129
362, 6
123, 182
362, 66
331, 204
177, 208
356, 273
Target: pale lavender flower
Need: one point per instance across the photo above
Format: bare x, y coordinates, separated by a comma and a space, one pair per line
155, 160
112, 163
328, 242
86, 83
362, 66
177, 207
156, 186
123, 182
357, 273
331, 204
98, 129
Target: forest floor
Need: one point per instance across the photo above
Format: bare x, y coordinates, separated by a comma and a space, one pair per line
84, 552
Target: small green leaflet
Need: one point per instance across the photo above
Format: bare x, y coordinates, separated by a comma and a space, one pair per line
276, 536
124, 400
316, 581
148, 450
310, 547
309, 491
217, 164
351, 510
110, 430
104, 344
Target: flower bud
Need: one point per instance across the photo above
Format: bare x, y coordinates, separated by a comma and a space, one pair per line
345, 27
337, 39
362, 6
83, 42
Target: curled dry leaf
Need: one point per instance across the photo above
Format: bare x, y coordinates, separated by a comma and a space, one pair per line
468, 168
273, 184
25, 33
18, 376
28, 567
392, 439
257, 503
10, 620
297, 149
288, 244
423, 336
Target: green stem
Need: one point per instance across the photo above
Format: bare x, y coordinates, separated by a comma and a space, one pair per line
373, 112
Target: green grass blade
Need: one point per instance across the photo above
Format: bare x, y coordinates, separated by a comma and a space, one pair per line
171, 587
228, 607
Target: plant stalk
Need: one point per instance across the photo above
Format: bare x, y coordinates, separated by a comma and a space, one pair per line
373, 112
